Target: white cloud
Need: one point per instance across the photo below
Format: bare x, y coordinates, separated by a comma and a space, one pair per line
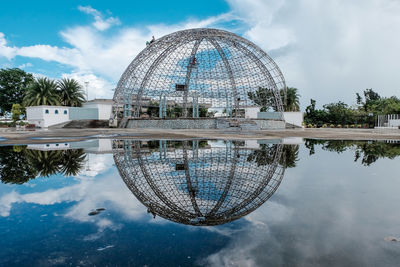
98, 57
329, 49
98, 87
105, 191
99, 23
25, 65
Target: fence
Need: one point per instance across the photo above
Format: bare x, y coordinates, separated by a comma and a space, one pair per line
388, 121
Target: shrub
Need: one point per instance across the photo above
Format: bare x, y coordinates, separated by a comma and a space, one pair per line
339, 126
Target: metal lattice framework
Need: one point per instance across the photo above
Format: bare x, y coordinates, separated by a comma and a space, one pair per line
211, 185
196, 67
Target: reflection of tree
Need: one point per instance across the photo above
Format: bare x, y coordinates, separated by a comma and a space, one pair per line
291, 154
368, 152
45, 162
67, 162
73, 162
19, 164
14, 166
265, 155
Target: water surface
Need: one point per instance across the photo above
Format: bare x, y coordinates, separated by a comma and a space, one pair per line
200, 202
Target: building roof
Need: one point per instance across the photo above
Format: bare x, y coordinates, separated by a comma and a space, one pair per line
100, 101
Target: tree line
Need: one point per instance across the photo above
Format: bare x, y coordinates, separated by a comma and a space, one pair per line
19, 89
362, 114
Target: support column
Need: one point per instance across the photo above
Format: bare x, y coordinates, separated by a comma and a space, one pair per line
160, 107
164, 106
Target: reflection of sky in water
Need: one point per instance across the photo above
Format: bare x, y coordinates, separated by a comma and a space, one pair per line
328, 210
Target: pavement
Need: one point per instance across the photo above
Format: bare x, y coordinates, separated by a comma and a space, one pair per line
13, 136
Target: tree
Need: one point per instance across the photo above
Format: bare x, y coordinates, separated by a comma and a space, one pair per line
371, 98
70, 92
338, 113
263, 97
13, 86
292, 101
42, 91
17, 110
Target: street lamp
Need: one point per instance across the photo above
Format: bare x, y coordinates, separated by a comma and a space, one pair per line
87, 91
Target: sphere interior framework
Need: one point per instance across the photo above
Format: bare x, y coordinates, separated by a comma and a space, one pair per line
194, 183
196, 68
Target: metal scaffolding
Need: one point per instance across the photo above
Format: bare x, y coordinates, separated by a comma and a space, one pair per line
204, 67
196, 184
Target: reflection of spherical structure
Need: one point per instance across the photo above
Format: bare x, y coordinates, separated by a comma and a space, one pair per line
199, 186
209, 67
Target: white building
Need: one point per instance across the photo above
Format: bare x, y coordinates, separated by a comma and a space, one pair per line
45, 116
295, 118
104, 107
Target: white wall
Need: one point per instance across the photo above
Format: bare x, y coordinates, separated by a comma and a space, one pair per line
104, 109
37, 115
251, 113
295, 118
394, 123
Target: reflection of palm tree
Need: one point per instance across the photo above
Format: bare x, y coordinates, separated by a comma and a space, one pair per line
73, 162
46, 162
291, 154
67, 162
265, 156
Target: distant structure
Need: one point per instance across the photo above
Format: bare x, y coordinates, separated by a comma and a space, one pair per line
195, 183
46, 116
183, 72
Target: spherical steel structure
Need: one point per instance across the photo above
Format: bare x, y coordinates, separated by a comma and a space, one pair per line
196, 184
194, 68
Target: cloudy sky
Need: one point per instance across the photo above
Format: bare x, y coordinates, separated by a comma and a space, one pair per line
328, 49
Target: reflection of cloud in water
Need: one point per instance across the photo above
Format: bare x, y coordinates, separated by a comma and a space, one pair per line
106, 189
329, 218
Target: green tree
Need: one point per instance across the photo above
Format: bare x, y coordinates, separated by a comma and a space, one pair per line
263, 97
17, 110
371, 99
70, 92
13, 86
292, 101
338, 113
42, 91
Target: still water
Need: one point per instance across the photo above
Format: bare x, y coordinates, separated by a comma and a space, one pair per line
200, 202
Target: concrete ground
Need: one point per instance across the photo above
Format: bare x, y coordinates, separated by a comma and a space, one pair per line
12, 136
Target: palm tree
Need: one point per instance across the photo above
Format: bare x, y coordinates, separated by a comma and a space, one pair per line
292, 102
42, 91
70, 92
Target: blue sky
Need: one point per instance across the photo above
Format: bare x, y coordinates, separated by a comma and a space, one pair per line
327, 57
